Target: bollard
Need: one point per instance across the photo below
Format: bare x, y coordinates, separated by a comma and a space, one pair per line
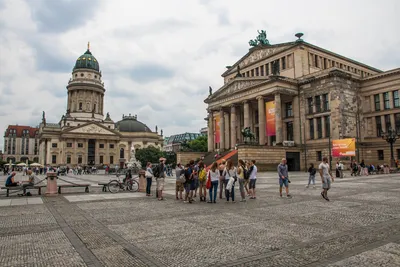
51, 189
142, 181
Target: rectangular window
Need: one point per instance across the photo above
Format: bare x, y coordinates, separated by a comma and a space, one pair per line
387, 123
310, 105
398, 153
101, 145
267, 69
325, 102
319, 155
316, 61
289, 131
381, 155
397, 122
101, 160
111, 159
252, 73
311, 123
248, 74
283, 63
377, 102
69, 144
318, 103
378, 126
257, 72
325, 66
80, 145
262, 70
53, 159
327, 126
111, 145
319, 127
289, 109
68, 159
54, 145
80, 159
386, 100
396, 101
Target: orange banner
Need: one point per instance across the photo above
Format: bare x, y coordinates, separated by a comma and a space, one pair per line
270, 118
217, 129
344, 147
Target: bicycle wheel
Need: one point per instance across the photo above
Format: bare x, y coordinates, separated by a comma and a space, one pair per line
113, 186
132, 186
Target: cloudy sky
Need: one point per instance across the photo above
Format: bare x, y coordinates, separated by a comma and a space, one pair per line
159, 57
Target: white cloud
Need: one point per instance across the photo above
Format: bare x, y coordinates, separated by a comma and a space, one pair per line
159, 57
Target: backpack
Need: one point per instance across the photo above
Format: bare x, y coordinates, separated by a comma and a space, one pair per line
156, 171
246, 173
313, 171
202, 175
187, 174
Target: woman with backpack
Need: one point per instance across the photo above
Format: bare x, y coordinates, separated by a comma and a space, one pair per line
149, 179
311, 178
202, 182
214, 175
231, 177
241, 173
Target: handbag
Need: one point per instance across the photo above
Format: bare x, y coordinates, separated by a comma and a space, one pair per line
208, 183
148, 174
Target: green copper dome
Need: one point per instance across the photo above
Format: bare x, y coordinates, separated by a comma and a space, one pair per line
87, 61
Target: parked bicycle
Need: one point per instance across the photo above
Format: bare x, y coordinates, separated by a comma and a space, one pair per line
130, 184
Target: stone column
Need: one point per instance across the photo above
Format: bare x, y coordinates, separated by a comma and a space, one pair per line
48, 153
324, 135
246, 114
210, 132
221, 130
392, 121
227, 130
372, 103
233, 126
315, 128
278, 119
261, 120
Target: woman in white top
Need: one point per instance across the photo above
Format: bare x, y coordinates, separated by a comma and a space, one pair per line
214, 175
231, 172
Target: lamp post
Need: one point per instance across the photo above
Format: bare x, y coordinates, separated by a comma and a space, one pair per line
390, 136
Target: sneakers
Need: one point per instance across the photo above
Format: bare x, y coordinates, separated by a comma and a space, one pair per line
289, 196
243, 200
307, 186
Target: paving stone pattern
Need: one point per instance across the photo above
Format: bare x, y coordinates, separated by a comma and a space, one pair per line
360, 226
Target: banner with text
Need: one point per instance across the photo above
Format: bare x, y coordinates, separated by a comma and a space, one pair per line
217, 129
270, 118
344, 147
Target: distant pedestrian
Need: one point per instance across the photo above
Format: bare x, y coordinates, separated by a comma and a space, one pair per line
252, 179
283, 177
241, 169
326, 177
149, 179
214, 175
222, 173
179, 185
311, 175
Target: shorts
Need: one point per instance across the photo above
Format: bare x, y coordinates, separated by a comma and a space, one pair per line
179, 186
246, 182
283, 182
252, 183
187, 187
196, 183
160, 183
193, 185
202, 184
327, 183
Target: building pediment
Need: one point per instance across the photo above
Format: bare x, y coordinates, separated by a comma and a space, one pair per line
91, 128
234, 86
256, 54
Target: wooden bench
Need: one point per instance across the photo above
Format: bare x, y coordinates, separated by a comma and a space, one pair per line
17, 188
105, 185
74, 185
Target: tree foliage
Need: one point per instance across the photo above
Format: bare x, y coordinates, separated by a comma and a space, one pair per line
153, 154
197, 145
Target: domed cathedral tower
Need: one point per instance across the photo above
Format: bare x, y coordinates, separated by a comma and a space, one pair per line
85, 91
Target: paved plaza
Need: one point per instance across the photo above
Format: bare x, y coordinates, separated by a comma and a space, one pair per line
360, 226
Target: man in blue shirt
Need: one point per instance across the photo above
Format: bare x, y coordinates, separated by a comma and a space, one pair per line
10, 180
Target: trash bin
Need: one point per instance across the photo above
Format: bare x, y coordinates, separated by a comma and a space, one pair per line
51, 189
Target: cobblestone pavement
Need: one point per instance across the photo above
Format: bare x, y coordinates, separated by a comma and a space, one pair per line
360, 226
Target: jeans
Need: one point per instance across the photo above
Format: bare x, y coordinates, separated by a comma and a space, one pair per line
148, 185
214, 187
311, 178
241, 187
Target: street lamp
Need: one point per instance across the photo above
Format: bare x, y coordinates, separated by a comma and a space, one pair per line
390, 136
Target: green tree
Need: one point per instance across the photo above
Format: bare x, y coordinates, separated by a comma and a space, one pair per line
199, 144
148, 154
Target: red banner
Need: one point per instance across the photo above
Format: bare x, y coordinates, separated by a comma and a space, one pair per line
270, 118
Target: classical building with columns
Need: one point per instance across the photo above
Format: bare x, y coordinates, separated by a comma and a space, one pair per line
295, 98
85, 135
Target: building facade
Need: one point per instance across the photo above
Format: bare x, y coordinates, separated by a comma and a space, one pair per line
314, 95
21, 143
85, 135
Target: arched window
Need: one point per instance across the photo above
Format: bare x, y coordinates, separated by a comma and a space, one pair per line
121, 153
80, 105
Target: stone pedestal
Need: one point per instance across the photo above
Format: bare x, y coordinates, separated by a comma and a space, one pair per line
142, 181
51, 189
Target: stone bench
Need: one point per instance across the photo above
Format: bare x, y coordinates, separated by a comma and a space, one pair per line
17, 188
73, 185
105, 185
